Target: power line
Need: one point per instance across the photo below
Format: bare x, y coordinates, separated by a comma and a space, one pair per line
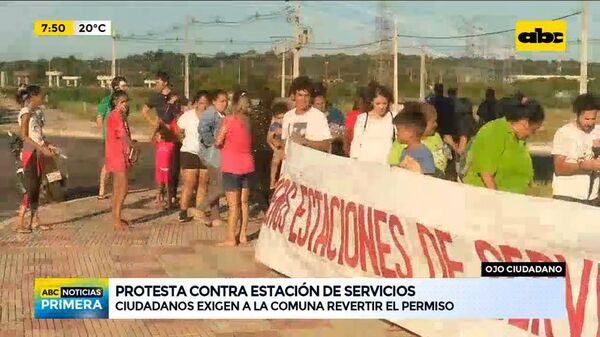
218, 22
179, 39
350, 46
249, 19
476, 35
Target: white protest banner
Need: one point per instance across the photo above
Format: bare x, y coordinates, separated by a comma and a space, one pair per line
337, 217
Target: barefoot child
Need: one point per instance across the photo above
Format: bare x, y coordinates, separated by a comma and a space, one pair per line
275, 142
163, 160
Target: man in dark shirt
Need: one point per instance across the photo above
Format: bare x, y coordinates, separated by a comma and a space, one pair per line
487, 110
159, 102
448, 127
167, 111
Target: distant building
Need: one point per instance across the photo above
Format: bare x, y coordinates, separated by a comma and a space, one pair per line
514, 78
466, 74
21, 77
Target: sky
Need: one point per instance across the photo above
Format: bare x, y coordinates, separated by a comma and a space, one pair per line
332, 24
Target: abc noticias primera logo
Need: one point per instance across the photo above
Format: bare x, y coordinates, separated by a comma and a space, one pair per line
541, 35
70, 298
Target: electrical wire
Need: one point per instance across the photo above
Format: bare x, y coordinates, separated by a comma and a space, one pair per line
476, 35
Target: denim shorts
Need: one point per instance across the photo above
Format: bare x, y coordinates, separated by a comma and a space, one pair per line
235, 182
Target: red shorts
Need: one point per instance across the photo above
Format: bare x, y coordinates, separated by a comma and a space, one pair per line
26, 160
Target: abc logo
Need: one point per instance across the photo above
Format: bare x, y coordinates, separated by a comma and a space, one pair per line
540, 36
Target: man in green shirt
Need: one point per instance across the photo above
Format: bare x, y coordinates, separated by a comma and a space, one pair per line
431, 139
498, 158
117, 83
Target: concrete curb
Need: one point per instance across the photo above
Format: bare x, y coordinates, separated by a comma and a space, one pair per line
10, 220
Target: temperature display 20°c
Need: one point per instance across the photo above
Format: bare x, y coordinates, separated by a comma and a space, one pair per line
92, 28
72, 27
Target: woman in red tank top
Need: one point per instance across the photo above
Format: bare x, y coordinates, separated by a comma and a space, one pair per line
237, 163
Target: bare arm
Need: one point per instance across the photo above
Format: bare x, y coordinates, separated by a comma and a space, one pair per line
450, 141
220, 138
153, 121
321, 145
462, 145
271, 140
488, 180
562, 168
180, 133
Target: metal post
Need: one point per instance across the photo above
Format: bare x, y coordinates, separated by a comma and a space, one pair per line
422, 76
584, 49
395, 66
283, 73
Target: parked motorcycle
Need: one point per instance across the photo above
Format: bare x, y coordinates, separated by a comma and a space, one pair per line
54, 177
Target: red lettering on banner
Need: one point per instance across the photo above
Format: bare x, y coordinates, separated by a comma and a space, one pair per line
537, 256
451, 266
317, 223
535, 327
322, 238
298, 213
382, 247
482, 246
335, 203
302, 237
394, 224
343, 234
424, 232
576, 312
365, 240
350, 260
509, 253
278, 203
285, 208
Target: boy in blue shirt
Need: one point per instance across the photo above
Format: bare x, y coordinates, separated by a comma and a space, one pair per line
410, 125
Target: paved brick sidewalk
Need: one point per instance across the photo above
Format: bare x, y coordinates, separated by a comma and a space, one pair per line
82, 244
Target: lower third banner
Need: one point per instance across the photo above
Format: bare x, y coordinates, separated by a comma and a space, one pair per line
303, 298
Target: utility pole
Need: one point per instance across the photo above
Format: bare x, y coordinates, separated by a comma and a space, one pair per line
326, 72
422, 76
299, 41
584, 49
113, 66
188, 20
283, 73
240, 70
395, 66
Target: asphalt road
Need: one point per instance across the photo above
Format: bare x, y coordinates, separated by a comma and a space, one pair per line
83, 164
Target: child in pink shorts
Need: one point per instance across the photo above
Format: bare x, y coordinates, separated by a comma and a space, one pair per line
162, 164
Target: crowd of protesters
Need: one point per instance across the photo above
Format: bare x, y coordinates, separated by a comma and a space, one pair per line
209, 143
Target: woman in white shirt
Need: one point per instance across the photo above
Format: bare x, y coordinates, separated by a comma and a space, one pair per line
193, 171
374, 131
35, 147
